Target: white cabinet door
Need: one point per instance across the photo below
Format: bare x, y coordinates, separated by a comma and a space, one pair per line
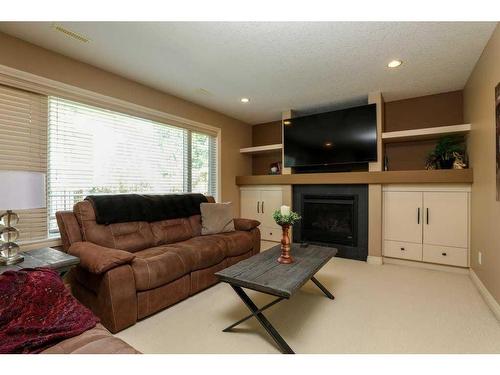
250, 204
402, 218
446, 218
271, 201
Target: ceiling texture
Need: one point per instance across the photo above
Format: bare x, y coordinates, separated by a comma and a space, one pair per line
304, 66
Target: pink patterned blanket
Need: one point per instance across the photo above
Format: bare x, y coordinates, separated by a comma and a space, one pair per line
37, 311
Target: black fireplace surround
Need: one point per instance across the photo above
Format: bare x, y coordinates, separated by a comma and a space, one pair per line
333, 215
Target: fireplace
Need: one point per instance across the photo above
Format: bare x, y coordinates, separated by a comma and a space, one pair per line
333, 215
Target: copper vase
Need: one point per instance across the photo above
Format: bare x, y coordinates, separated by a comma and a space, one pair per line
285, 257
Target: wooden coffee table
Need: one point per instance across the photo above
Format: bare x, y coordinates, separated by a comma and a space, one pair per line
45, 257
263, 273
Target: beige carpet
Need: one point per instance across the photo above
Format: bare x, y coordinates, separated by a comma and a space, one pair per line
377, 309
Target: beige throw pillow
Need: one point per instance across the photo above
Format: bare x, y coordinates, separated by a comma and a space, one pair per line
216, 218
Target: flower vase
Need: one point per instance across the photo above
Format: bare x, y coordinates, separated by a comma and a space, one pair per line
285, 257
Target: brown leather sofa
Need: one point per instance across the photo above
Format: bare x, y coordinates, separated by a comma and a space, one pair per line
131, 270
97, 340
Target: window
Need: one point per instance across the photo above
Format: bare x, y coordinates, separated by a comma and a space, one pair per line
96, 151
23, 146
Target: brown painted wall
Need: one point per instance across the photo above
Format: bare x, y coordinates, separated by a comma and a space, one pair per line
479, 110
408, 156
235, 134
421, 112
265, 134
424, 112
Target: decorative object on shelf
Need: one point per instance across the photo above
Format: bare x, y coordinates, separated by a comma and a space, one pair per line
19, 190
285, 218
431, 162
446, 151
459, 162
497, 116
275, 168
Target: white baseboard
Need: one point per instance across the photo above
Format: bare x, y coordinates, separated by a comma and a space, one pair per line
427, 266
374, 260
488, 298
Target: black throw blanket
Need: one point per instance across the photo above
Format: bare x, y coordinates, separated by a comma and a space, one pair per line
122, 208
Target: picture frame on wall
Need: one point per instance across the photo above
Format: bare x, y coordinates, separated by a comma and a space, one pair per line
497, 131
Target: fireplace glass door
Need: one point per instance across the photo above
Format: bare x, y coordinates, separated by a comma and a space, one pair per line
330, 219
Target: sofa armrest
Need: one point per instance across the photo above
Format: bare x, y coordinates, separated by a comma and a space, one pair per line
68, 228
99, 259
245, 224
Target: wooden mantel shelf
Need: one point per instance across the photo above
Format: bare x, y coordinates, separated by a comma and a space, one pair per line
388, 177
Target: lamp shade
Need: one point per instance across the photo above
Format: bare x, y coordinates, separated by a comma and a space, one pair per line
21, 190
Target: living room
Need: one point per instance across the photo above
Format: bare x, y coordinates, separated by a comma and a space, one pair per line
342, 177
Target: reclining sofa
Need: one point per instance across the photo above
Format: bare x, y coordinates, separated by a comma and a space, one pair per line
130, 270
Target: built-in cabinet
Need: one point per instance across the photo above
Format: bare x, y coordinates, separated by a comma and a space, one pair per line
428, 223
259, 203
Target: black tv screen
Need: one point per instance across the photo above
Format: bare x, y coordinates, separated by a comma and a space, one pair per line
340, 137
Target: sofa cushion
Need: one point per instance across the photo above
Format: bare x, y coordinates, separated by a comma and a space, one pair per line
157, 266
245, 224
216, 218
195, 222
97, 340
170, 231
201, 252
237, 243
131, 236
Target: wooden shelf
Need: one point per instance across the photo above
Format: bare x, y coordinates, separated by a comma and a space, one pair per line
387, 177
261, 149
426, 133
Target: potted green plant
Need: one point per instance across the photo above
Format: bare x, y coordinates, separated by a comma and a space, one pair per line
444, 154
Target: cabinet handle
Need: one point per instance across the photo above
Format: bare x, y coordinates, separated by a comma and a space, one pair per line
427, 215
418, 215
443, 254
402, 249
258, 207
262, 207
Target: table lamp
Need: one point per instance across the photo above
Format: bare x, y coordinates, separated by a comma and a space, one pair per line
19, 190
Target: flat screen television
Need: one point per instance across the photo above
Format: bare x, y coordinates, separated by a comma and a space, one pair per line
345, 136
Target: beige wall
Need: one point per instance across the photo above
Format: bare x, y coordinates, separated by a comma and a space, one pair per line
235, 134
479, 110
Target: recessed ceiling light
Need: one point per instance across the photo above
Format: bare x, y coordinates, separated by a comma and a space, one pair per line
394, 63
244, 100
328, 144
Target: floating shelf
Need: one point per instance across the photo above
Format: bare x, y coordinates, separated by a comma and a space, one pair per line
386, 177
261, 149
426, 133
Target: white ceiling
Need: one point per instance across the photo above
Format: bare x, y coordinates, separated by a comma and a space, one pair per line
305, 66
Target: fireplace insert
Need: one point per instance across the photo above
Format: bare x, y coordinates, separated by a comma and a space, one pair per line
333, 215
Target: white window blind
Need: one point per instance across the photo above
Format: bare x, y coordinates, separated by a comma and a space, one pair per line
97, 151
23, 146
